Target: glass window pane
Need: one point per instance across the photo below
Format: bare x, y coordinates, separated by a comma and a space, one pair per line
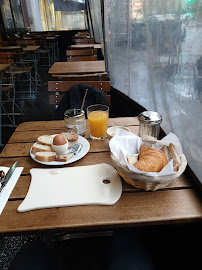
17, 14
56, 15
7, 16
154, 55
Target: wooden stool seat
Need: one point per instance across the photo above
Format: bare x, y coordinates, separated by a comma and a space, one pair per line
6, 88
20, 70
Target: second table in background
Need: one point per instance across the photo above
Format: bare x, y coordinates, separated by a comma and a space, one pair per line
80, 67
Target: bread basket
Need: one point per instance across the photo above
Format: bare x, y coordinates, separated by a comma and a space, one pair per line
145, 182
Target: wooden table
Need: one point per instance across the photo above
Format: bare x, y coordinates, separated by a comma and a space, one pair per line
95, 46
178, 203
2, 68
80, 67
29, 48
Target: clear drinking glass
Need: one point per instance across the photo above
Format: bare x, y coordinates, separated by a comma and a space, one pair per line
97, 117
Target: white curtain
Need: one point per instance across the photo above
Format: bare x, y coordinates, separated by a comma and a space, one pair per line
154, 55
95, 8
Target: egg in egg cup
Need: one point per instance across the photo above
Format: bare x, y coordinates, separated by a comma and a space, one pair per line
60, 144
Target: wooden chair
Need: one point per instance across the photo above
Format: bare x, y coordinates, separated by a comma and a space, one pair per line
9, 107
16, 70
6, 58
81, 55
60, 87
82, 77
8, 104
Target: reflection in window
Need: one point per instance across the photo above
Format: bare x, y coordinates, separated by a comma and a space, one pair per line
7, 15
70, 20
57, 15
17, 14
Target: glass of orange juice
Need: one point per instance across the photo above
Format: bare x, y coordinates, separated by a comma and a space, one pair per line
97, 117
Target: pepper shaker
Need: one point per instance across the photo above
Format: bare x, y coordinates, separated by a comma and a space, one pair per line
149, 126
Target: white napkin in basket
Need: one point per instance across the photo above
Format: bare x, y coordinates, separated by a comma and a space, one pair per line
5, 194
124, 144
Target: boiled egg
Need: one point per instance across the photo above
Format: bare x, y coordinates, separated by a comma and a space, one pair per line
59, 140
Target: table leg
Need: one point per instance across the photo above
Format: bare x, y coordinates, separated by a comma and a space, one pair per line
36, 71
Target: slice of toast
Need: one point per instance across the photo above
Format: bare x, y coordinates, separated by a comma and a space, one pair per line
41, 148
71, 137
65, 157
45, 156
45, 139
173, 155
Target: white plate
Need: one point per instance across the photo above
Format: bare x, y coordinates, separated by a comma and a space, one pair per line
82, 153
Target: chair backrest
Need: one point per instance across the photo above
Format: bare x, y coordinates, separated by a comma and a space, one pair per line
81, 58
60, 87
82, 77
84, 41
6, 58
3, 43
26, 42
80, 36
80, 48
81, 52
83, 33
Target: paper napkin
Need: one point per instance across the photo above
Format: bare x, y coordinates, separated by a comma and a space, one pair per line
5, 194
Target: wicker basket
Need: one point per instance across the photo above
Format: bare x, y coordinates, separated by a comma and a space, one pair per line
148, 182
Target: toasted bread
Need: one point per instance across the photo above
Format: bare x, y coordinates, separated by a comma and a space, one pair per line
71, 137
41, 148
45, 156
65, 157
45, 139
173, 155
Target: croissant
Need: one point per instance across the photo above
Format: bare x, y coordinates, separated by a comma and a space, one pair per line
150, 160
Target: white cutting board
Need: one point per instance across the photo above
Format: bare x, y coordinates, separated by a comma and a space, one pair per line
57, 187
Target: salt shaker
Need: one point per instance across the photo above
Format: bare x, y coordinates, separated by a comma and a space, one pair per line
149, 126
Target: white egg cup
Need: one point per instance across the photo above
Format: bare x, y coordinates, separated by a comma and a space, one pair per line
60, 149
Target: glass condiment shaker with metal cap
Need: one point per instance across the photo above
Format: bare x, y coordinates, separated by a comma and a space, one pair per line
149, 126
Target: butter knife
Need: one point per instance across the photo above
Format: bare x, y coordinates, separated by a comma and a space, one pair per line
8, 176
